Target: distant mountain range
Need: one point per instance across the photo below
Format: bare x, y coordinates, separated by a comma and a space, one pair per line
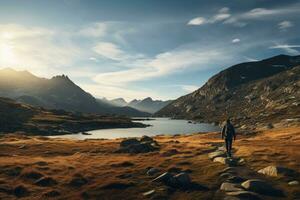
252, 94
145, 105
58, 92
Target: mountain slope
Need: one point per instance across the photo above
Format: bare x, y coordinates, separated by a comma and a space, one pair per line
148, 104
58, 92
263, 92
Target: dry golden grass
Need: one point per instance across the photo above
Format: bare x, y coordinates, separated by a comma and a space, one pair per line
24, 159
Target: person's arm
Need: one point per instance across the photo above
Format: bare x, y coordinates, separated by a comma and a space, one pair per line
222, 132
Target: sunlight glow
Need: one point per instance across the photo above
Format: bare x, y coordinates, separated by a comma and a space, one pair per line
7, 54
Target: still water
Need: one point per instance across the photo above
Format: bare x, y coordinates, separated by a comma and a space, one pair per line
158, 126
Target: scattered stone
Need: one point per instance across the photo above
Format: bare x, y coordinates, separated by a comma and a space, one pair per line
170, 152
273, 170
117, 185
21, 191
163, 177
230, 187
183, 179
45, 182
223, 160
41, 163
293, 183
215, 154
146, 138
222, 148
241, 161
149, 193
174, 170
124, 176
228, 170
225, 175
78, 181
132, 145
245, 195
262, 187
122, 164
32, 175
152, 171
22, 146
235, 179
52, 194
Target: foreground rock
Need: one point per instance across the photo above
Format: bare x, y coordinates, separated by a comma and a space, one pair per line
231, 187
276, 171
215, 154
144, 145
261, 187
225, 161
181, 180
245, 195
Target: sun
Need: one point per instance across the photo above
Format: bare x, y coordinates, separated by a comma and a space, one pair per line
7, 54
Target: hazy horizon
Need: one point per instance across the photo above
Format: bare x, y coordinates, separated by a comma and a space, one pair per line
158, 49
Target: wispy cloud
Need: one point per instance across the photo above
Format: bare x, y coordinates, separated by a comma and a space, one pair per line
221, 15
285, 25
236, 40
189, 88
287, 48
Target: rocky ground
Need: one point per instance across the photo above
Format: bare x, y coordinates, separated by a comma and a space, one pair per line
265, 165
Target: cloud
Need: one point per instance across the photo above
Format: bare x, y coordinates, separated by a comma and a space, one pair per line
221, 15
109, 50
287, 48
94, 30
285, 25
236, 40
197, 21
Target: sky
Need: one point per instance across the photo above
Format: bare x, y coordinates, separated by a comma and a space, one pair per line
139, 48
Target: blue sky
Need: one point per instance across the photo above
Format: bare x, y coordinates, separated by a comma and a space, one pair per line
139, 48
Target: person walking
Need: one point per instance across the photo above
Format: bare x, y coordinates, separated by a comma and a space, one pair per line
228, 133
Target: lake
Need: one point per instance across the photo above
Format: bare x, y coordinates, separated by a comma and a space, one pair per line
158, 126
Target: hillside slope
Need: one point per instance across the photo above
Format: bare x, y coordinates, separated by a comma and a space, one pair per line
58, 92
253, 94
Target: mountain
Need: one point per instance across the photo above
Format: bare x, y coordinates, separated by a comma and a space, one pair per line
252, 94
58, 92
118, 102
148, 104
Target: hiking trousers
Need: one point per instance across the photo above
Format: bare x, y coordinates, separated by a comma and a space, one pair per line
228, 144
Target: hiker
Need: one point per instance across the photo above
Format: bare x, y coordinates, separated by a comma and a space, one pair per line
228, 133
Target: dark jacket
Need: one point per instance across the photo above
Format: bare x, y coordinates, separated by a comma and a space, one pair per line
228, 131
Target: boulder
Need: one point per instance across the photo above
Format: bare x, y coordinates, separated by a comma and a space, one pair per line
183, 179
129, 142
45, 182
163, 177
225, 175
152, 171
146, 138
235, 179
20, 191
293, 183
261, 187
273, 170
78, 181
215, 154
230, 187
149, 193
245, 195
226, 161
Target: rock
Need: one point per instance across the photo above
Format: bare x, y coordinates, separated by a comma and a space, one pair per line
223, 160
245, 195
122, 164
183, 179
163, 177
146, 138
241, 161
149, 193
45, 182
21, 191
33, 175
222, 148
230, 187
215, 154
52, 194
129, 142
152, 171
262, 187
273, 170
170, 152
293, 183
78, 181
225, 175
228, 170
235, 179
134, 146
117, 185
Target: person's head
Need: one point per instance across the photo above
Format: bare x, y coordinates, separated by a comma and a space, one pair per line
228, 121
